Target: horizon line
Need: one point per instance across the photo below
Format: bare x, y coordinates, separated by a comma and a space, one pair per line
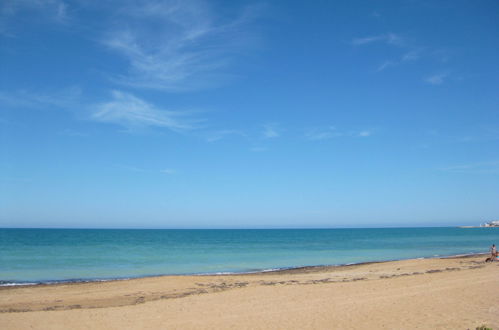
236, 228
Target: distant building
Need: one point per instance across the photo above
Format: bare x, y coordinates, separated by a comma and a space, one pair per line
494, 223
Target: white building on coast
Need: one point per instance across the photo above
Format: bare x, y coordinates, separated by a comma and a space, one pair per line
494, 223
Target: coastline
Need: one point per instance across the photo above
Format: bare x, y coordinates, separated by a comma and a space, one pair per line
283, 270
452, 292
68, 255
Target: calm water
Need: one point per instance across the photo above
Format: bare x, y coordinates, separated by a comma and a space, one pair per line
34, 255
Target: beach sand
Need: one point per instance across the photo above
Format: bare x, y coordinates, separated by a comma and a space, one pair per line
447, 293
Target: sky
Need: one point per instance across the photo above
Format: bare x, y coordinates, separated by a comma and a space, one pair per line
248, 114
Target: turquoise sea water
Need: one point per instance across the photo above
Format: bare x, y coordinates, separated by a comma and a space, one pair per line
40, 255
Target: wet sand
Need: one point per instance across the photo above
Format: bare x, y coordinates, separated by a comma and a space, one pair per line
447, 293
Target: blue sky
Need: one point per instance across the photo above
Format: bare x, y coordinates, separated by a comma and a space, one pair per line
243, 114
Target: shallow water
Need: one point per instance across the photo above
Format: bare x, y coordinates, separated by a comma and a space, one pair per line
40, 255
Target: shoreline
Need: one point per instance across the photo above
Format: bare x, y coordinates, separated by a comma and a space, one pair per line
4, 284
451, 292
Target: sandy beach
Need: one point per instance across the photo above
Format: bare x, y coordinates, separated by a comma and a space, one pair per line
447, 293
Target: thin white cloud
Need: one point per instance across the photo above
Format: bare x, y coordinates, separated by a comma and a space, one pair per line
123, 109
258, 149
386, 65
410, 56
436, 79
219, 135
318, 134
132, 168
130, 111
175, 45
367, 40
73, 133
11, 10
443, 55
168, 171
365, 133
270, 131
28, 99
331, 132
53, 8
388, 38
491, 167
360, 134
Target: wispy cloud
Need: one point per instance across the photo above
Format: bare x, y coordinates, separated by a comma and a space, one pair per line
132, 168
168, 171
72, 132
483, 135
364, 133
409, 51
131, 112
442, 54
317, 134
388, 38
258, 149
221, 134
436, 79
410, 56
472, 134
330, 132
28, 99
10, 10
387, 64
175, 45
491, 167
122, 109
270, 131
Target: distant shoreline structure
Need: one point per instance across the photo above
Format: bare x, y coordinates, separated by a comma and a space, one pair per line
494, 223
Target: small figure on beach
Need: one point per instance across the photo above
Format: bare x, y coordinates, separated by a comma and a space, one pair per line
493, 254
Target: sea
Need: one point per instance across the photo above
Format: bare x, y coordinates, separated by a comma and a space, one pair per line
32, 256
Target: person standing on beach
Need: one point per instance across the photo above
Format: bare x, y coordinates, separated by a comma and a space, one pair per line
493, 251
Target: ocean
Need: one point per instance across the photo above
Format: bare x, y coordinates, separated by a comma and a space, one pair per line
55, 255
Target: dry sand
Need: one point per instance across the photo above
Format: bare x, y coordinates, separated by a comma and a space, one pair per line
451, 293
